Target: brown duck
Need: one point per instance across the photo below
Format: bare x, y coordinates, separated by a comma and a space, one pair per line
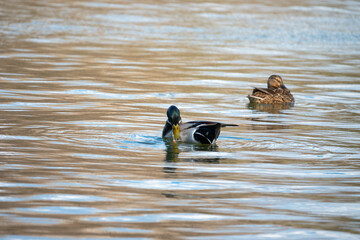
275, 93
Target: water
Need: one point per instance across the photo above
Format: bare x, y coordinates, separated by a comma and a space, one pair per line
84, 90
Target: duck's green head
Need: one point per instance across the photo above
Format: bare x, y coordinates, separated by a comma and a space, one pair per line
173, 114
275, 81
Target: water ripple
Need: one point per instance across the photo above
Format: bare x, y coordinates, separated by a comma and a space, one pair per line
84, 91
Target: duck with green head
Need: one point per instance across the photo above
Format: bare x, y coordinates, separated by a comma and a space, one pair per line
204, 132
275, 93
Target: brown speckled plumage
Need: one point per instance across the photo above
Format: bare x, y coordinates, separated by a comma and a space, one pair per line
275, 93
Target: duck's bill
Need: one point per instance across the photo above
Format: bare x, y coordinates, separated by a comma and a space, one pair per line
176, 131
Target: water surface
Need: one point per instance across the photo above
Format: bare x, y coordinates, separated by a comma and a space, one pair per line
84, 90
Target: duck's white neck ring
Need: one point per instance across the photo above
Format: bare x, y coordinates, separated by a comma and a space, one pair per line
167, 121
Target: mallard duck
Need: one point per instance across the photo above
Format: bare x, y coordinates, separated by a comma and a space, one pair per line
275, 93
204, 132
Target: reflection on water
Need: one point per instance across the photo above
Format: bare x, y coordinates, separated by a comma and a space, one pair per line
84, 90
270, 108
174, 153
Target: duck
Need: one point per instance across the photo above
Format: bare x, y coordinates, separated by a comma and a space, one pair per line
275, 93
203, 132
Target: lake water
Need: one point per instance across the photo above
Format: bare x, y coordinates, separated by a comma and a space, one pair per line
85, 86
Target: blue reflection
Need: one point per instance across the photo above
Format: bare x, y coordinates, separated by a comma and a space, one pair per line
61, 210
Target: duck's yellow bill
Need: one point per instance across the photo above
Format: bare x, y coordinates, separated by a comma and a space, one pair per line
176, 131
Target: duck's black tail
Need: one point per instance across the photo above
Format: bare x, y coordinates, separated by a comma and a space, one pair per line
228, 125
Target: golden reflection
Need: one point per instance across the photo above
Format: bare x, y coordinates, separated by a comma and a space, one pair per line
268, 124
84, 86
270, 108
174, 149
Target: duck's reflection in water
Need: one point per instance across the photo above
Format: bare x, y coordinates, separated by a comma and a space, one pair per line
264, 124
173, 150
270, 108
268, 122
